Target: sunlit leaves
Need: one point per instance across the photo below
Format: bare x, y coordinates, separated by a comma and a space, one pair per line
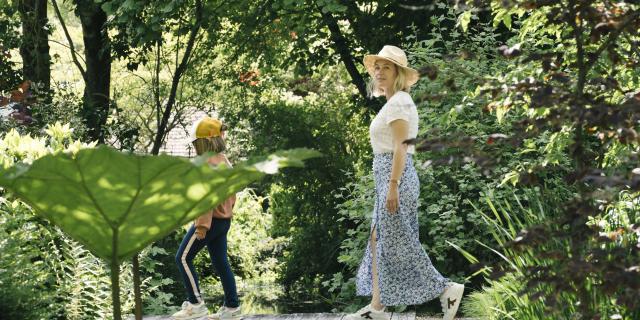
116, 204
464, 19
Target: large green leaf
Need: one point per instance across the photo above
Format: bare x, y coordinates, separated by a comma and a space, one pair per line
117, 203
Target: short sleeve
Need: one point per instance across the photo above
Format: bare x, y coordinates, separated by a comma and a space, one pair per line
399, 107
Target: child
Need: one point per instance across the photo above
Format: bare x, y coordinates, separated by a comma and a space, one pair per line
209, 230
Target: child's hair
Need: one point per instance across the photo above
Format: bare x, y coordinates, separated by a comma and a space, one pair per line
214, 144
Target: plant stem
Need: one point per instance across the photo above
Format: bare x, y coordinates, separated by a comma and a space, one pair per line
136, 287
115, 278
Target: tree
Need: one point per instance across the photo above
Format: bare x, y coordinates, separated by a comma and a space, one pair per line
309, 34
96, 72
34, 49
143, 30
98, 67
10, 76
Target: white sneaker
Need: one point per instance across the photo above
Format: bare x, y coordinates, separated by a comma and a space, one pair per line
450, 300
368, 313
191, 311
226, 313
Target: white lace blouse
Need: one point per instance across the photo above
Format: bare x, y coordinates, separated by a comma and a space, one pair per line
399, 106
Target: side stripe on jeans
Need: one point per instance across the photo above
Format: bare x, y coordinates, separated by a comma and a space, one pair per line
187, 270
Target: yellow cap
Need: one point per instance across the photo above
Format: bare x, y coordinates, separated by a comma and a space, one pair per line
208, 128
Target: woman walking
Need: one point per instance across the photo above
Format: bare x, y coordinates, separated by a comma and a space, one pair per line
395, 269
209, 230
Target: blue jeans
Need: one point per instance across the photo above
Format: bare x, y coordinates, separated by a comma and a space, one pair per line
216, 242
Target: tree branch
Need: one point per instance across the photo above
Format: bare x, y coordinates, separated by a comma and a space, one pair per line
68, 47
577, 34
156, 85
71, 46
342, 48
612, 37
249, 29
160, 134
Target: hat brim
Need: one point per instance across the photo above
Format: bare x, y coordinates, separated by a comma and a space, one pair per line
412, 74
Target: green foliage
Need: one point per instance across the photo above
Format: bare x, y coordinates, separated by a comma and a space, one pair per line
355, 210
575, 78
271, 70
250, 244
301, 202
501, 299
9, 39
447, 105
43, 273
102, 187
502, 296
142, 23
95, 215
46, 275
27, 285
450, 105
284, 33
505, 296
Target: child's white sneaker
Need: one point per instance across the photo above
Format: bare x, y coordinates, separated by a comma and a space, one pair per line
368, 313
191, 311
226, 313
450, 300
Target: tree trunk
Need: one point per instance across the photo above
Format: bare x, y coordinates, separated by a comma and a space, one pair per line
35, 46
341, 46
137, 297
115, 279
98, 67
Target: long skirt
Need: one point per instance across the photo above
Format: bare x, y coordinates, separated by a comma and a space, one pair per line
406, 275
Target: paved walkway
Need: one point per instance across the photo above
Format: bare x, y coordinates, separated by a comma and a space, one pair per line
314, 316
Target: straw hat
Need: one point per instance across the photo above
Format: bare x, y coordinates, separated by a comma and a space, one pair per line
398, 57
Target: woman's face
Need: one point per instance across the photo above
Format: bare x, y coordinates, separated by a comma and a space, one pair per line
385, 73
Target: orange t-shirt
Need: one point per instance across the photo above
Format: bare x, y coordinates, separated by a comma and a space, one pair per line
223, 210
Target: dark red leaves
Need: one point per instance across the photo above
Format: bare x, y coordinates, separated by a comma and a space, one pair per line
430, 71
250, 77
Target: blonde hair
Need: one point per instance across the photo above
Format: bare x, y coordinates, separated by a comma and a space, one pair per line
373, 90
213, 144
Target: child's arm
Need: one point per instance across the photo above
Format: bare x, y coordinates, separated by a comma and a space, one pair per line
203, 224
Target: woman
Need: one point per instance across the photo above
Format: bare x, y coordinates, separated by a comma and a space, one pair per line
395, 270
209, 230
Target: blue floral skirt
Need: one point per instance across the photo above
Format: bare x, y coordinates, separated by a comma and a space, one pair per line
406, 275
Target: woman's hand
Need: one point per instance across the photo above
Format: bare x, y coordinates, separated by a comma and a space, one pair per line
392, 198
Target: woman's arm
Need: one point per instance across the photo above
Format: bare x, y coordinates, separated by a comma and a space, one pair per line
399, 133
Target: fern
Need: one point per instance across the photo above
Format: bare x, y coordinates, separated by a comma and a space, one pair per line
84, 282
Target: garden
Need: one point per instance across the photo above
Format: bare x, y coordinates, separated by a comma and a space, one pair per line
527, 152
